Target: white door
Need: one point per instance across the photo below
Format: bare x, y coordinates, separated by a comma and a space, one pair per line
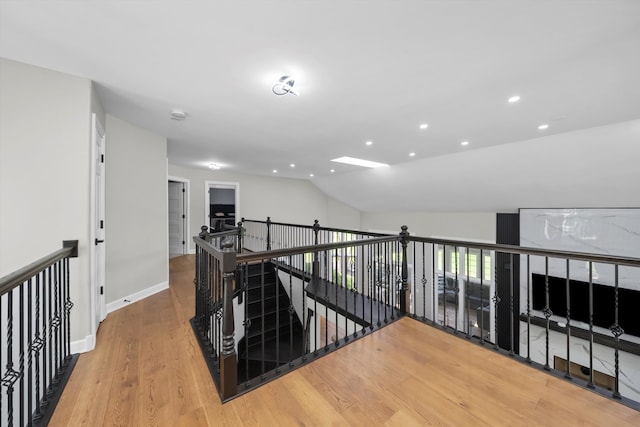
98, 243
177, 218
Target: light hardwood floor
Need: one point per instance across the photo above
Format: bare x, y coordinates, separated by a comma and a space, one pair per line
147, 369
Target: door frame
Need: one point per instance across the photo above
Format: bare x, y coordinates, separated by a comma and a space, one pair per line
98, 300
225, 185
187, 192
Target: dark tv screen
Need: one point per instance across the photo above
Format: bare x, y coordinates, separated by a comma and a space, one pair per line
603, 302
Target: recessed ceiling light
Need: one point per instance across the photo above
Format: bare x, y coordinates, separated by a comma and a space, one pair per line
514, 98
369, 142
332, 170
424, 126
543, 126
292, 165
311, 175
412, 154
214, 166
464, 143
359, 162
275, 171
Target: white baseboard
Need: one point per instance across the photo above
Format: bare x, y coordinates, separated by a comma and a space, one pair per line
122, 302
84, 345
192, 251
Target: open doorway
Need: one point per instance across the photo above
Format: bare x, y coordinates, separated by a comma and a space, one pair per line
178, 218
222, 204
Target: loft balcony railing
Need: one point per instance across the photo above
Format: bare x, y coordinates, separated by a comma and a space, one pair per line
35, 354
340, 285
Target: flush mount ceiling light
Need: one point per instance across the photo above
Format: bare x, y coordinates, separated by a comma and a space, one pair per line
463, 143
423, 126
284, 86
369, 143
514, 99
412, 154
359, 162
214, 166
543, 126
178, 115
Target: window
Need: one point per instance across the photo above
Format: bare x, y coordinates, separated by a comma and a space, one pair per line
459, 259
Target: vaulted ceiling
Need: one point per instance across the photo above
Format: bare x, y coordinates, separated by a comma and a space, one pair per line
364, 70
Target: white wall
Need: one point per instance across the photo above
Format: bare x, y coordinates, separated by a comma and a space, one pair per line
341, 215
45, 147
136, 220
283, 199
480, 226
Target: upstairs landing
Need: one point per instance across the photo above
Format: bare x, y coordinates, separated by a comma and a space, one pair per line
147, 369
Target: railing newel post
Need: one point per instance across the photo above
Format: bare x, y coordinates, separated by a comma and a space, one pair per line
228, 358
268, 233
404, 290
316, 257
241, 232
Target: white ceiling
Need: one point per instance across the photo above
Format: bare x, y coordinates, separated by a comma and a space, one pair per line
365, 70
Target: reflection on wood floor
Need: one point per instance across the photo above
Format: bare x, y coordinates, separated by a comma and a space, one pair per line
147, 369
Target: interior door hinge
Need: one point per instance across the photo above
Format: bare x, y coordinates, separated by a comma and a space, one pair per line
183, 242
102, 223
183, 216
183, 190
101, 158
101, 290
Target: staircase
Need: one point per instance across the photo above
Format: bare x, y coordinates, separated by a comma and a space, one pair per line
273, 333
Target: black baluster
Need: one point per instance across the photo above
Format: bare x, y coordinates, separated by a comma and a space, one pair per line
30, 347
481, 322
496, 300
547, 312
590, 383
616, 330
10, 376
511, 314
424, 283
434, 283
56, 324
528, 308
68, 309
46, 296
292, 311
345, 277
356, 283
456, 288
444, 285
567, 373
21, 357
335, 275
326, 305
371, 281
38, 345
262, 313
467, 316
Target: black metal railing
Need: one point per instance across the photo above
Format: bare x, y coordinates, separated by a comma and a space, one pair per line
273, 296
35, 363
268, 235
523, 302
